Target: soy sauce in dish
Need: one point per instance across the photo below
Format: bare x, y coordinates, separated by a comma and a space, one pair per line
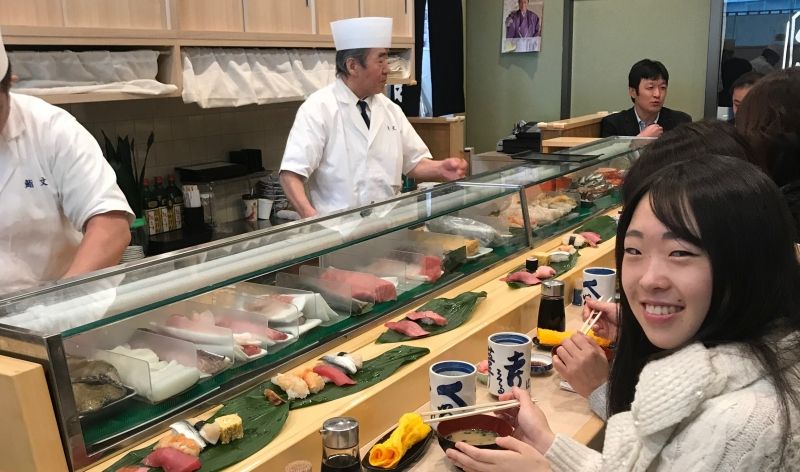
474, 437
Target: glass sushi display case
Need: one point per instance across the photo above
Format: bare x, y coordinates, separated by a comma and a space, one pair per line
128, 349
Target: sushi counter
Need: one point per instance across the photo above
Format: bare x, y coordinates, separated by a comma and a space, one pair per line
237, 351
379, 407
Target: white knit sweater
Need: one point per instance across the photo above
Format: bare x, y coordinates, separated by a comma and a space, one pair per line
699, 409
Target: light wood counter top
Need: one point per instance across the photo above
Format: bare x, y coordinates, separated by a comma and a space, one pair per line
567, 413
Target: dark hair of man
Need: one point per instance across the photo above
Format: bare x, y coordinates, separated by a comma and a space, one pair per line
646, 69
747, 79
683, 141
769, 118
5, 84
700, 199
771, 56
360, 55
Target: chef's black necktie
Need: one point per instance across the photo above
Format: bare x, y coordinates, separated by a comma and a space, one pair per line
363, 105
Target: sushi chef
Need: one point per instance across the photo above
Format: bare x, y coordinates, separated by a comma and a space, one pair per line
349, 142
61, 211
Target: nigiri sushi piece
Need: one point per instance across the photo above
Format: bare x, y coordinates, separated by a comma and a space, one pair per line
566, 248
574, 240
559, 256
407, 327
545, 272
172, 460
427, 317
342, 362
333, 374
356, 358
273, 397
592, 238
185, 428
179, 442
522, 276
209, 431
314, 381
294, 386
483, 366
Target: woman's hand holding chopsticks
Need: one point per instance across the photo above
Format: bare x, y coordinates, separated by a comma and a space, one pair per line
608, 323
525, 451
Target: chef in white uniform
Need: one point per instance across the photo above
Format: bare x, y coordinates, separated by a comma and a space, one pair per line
349, 141
61, 211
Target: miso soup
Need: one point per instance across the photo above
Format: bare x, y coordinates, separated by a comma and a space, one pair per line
475, 437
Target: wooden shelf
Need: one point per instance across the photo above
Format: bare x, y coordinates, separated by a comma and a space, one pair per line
93, 97
52, 35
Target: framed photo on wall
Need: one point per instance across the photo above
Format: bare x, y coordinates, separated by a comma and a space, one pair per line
522, 26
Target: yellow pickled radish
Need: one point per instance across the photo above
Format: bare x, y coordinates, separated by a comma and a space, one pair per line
410, 430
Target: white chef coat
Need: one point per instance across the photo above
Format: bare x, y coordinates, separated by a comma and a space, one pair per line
346, 163
53, 179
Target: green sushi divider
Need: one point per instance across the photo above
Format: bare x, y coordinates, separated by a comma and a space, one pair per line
604, 225
455, 310
262, 421
560, 267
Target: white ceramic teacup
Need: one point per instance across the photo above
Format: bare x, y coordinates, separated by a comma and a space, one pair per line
599, 283
509, 362
452, 385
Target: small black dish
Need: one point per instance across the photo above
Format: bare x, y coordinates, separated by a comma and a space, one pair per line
409, 458
109, 408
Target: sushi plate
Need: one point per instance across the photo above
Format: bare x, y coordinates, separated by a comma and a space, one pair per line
411, 456
482, 251
109, 408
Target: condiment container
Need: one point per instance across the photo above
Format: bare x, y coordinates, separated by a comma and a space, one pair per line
551, 307
340, 445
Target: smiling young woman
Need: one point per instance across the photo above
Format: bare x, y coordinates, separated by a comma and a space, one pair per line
707, 370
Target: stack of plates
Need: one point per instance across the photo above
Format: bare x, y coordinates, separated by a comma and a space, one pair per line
270, 187
132, 253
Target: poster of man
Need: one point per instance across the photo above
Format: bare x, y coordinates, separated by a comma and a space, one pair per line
522, 25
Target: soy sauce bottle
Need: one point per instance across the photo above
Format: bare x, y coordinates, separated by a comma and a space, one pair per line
340, 445
551, 308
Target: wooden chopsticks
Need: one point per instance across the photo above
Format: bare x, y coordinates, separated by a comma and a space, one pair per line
468, 410
595, 315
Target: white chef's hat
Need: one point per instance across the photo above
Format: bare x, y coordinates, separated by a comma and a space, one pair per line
3, 58
366, 32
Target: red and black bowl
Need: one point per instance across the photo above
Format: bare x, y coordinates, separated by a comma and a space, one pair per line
484, 422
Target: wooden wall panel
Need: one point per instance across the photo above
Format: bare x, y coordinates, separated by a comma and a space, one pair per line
332, 10
278, 16
31, 13
133, 14
401, 10
210, 15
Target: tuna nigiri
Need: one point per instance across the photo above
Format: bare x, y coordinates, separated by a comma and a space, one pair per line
172, 460
427, 317
545, 272
333, 374
522, 276
591, 238
407, 327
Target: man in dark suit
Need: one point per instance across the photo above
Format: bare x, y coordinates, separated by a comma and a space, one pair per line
647, 86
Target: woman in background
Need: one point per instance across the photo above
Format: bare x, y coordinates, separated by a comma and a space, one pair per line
706, 374
769, 118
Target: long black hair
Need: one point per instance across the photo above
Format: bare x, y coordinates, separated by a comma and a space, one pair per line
735, 213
